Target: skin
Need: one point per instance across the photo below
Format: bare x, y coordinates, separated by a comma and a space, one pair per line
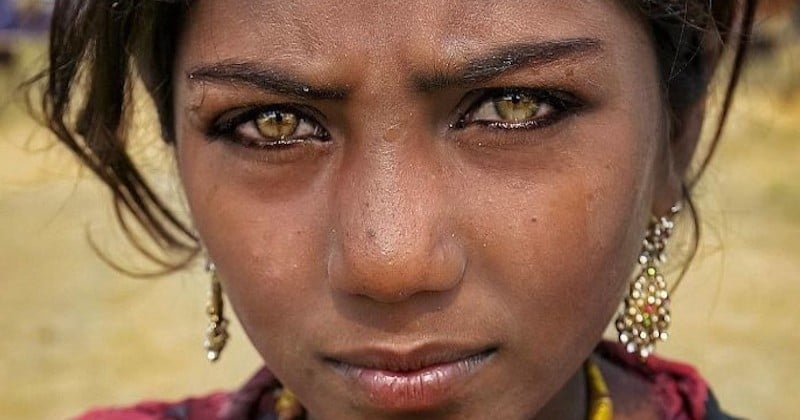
402, 229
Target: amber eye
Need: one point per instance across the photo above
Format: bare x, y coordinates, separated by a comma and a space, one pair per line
277, 124
519, 109
516, 107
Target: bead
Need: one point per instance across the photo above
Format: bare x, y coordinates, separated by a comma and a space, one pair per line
287, 407
600, 405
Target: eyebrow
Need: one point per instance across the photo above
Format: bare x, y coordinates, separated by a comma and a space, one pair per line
480, 69
509, 57
266, 79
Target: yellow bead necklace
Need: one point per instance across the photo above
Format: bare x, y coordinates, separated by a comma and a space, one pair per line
600, 405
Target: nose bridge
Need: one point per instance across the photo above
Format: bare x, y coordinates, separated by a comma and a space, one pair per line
391, 241
387, 198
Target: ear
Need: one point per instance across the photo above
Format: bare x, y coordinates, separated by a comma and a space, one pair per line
687, 113
684, 137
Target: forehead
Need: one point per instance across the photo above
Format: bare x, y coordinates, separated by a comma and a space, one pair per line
374, 30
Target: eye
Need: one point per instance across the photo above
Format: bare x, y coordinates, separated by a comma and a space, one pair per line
268, 128
519, 108
277, 124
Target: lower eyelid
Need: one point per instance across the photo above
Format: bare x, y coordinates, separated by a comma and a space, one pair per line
528, 125
554, 115
274, 144
271, 155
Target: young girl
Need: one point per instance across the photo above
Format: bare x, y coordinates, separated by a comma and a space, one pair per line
419, 209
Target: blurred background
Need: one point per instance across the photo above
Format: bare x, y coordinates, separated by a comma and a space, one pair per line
77, 334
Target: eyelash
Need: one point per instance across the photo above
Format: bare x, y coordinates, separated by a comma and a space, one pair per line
226, 126
561, 104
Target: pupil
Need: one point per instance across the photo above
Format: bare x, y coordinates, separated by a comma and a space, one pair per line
278, 117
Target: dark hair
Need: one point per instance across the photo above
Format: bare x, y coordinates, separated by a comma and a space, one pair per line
103, 46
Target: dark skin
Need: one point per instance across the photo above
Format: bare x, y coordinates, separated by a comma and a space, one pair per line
393, 174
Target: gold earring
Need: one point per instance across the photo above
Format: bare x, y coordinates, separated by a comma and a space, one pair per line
217, 330
645, 317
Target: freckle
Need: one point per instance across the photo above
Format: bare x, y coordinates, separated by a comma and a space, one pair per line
393, 133
570, 72
534, 220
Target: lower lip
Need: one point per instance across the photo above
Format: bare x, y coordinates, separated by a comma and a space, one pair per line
413, 391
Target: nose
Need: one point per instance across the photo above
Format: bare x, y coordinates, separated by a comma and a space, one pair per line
394, 237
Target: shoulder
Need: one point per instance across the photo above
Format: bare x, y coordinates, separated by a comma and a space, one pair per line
253, 400
657, 388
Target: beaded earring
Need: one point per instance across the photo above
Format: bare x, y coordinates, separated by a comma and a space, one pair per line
217, 330
645, 317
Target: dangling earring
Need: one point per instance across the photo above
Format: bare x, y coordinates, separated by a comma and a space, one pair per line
217, 330
645, 317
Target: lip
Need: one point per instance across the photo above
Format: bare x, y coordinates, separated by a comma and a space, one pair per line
419, 378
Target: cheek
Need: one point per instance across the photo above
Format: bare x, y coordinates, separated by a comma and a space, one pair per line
564, 236
264, 242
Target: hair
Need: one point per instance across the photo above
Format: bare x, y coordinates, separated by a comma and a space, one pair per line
104, 47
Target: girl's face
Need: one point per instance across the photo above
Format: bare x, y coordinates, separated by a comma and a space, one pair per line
422, 207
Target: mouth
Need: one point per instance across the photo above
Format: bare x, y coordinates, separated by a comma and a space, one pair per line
421, 378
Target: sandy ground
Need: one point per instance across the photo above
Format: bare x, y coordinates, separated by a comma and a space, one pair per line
76, 334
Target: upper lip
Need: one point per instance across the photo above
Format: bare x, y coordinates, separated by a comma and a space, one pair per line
395, 358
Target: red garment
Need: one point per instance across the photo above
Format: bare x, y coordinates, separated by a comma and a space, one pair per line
684, 395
